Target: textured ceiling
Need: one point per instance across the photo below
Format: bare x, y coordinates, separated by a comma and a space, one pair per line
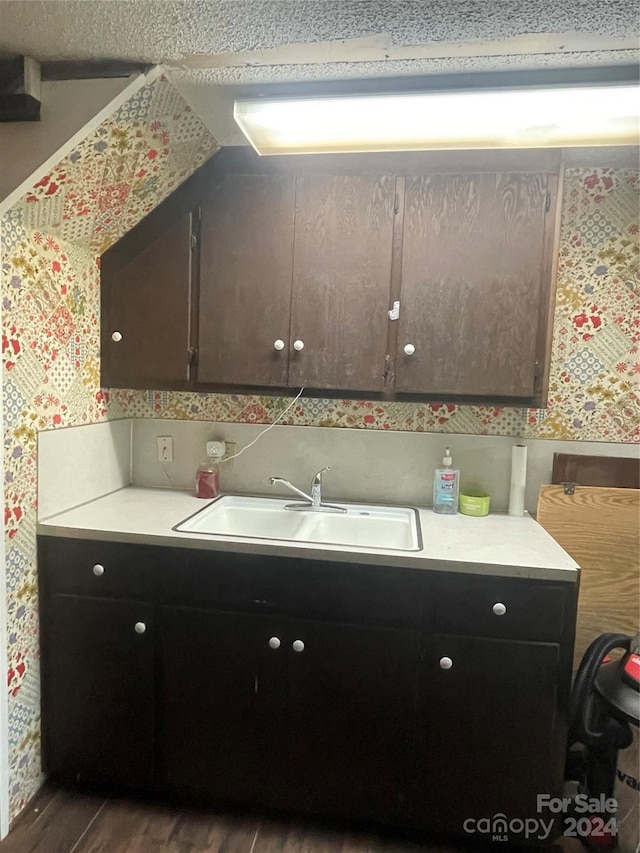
241, 43
167, 29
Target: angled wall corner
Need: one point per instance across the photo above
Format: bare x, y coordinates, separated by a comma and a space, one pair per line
116, 168
109, 175
69, 109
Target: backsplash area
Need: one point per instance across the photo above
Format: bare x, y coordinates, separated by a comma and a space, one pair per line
376, 465
593, 394
51, 240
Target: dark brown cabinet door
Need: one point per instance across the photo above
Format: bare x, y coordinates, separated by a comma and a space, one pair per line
98, 691
221, 704
289, 714
490, 730
350, 719
472, 284
245, 281
341, 281
146, 308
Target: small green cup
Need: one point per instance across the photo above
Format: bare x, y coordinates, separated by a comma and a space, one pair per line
474, 503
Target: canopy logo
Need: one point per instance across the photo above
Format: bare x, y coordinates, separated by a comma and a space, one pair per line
584, 817
499, 827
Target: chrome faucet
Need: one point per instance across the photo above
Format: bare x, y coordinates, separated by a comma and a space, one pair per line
314, 500
316, 488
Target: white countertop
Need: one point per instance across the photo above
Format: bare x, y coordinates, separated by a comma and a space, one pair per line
495, 544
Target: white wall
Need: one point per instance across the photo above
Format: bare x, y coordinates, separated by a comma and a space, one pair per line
67, 106
79, 464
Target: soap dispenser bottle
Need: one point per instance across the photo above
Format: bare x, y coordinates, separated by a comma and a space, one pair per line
446, 485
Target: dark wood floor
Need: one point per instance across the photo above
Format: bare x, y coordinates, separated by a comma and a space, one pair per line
59, 821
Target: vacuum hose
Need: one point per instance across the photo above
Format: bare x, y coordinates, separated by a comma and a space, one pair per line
580, 702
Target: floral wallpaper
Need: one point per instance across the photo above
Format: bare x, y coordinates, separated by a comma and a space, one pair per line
50, 285
594, 389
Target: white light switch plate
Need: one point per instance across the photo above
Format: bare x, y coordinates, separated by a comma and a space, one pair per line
165, 448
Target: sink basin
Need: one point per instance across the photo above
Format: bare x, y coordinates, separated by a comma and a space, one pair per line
361, 526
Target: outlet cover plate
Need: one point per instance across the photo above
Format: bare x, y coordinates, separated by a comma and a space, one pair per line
165, 448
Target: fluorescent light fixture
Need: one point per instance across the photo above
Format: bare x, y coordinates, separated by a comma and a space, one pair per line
500, 118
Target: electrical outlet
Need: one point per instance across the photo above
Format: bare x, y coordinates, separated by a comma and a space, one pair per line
216, 449
165, 448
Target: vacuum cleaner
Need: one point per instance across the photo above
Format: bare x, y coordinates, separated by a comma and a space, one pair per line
604, 705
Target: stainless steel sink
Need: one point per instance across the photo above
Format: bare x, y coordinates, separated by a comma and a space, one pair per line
361, 526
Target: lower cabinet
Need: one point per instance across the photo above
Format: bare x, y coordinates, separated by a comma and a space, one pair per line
488, 711
98, 690
221, 703
350, 719
412, 698
286, 713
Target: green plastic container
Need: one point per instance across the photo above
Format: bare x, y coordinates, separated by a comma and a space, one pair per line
474, 503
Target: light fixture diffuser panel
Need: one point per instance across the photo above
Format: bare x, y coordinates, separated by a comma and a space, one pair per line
528, 118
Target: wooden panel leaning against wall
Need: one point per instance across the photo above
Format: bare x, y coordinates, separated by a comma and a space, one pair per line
287, 270
599, 528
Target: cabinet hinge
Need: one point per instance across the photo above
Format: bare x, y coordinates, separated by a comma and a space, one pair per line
547, 203
192, 356
387, 369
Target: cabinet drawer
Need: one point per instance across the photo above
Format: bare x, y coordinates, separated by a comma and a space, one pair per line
515, 608
109, 569
318, 589
224, 580
366, 594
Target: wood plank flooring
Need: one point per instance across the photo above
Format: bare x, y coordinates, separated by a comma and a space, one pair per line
58, 821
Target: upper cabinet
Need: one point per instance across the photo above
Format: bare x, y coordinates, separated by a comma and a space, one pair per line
294, 281
473, 284
147, 285
246, 258
414, 275
342, 253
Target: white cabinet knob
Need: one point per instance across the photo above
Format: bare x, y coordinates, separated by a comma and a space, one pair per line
499, 608
116, 336
98, 570
279, 345
446, 663
409, 349
274, 643
297, 646
298, 345
139, 627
